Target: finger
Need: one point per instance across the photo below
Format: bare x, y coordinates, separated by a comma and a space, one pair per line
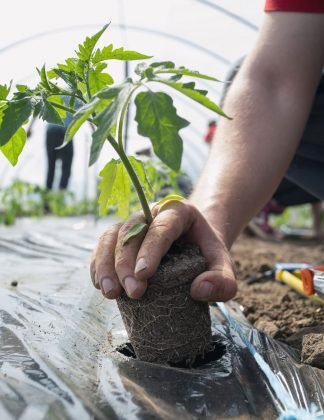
125, 258
218, 283
167, 226
103, 264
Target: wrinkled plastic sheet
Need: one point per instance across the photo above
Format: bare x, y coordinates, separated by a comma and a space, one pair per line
58, 341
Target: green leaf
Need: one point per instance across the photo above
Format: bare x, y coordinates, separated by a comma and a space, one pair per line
98, 80
3, 106
58, 99
108, 53
191, 85
134, 231
140, 68
49, 113
22, 88
157, 119
170, 197
86, 49
69, 77
79, 118
4, 92
139, 168
44, 81
163, 65
115, 189
106, 121
169, 200
195, 95
185, 72
111, 92
14, 116
14, 146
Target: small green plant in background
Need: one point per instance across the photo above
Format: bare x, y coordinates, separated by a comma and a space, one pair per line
104, 105
294, 217
23, 199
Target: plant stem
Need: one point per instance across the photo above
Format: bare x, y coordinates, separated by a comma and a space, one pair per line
87, 82
65, 108
132, 174
126, 162
65, 93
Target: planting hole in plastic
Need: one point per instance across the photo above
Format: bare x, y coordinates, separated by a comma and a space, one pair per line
217, 352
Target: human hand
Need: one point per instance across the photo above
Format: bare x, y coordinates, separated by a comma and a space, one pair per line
115, 266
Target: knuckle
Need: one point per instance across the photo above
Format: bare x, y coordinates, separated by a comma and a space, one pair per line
121, 261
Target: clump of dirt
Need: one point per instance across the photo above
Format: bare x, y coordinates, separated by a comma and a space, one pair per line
313, 350
274, 307
166, 325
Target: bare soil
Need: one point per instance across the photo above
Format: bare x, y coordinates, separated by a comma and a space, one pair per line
274, 307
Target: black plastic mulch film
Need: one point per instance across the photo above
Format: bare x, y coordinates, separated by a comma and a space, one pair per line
63, 351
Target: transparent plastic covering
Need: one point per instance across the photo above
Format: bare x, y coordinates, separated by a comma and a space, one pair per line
204, 35
59, 339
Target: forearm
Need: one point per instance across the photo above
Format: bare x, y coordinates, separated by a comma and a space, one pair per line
251, 153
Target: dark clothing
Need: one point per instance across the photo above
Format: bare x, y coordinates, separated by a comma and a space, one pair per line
289, 194
307, 167
306, 170
54, 138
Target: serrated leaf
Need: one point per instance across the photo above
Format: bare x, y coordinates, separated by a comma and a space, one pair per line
157, 119
109, 53
86, 49
58, 99
140, 68
106, 121
139, 168
79, 118
49, 113
14, 146
110, 92
191, 85
22, 88
14, 116
98, 80
4, 92
115, 189
195, 95
3, 106
44, 81
69, 77
163, 65
185, 72
71, 65
134, 231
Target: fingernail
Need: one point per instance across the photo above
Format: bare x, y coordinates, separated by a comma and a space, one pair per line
140, 265
205, 290
131, 285
107, 285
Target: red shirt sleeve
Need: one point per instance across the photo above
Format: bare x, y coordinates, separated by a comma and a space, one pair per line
308, 6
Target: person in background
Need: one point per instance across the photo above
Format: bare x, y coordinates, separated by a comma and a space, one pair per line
212, 125
54, 138
270, 103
